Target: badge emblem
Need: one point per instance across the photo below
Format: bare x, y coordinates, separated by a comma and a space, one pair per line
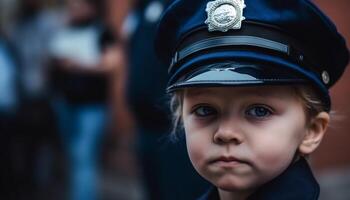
224, 15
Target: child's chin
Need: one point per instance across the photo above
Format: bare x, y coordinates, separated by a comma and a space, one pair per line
234, 185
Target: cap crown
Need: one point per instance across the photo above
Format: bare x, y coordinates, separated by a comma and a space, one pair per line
297, 19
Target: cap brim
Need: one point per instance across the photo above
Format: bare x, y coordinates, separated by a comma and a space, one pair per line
239, 68
235, 74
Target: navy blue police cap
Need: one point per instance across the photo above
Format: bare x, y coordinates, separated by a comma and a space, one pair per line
253, 42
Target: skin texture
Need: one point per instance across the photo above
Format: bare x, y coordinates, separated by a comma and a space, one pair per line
240, 138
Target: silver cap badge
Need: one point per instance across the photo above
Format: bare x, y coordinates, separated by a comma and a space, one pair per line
224, 15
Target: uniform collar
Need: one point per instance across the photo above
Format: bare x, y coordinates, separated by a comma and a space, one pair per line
297, 182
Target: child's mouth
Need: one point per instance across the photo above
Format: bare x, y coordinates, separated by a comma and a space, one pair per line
227, 161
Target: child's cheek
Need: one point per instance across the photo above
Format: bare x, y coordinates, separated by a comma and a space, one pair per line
275, 145
272, 159
195, 146
198, 142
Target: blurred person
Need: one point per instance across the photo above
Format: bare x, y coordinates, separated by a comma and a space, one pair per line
9, 100
37, 144
31, 33
165, 166
80, 86
8, 78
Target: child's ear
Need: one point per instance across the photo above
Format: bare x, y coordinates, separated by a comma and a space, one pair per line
314, 133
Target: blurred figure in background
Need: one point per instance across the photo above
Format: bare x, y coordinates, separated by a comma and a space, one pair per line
8, 81
37, 145
80, 82
31, 35
9, 100
165, 166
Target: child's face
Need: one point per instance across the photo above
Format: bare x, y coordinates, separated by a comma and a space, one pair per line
240, 138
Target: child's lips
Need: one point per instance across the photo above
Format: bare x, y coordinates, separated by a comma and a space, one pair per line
227, 161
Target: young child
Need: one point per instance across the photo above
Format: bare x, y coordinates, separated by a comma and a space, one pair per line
250, 84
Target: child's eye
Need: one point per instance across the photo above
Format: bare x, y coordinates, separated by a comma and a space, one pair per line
258, 111
204, 111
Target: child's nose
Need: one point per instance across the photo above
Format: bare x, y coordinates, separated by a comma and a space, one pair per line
228, 132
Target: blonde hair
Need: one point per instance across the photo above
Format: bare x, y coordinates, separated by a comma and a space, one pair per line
311, 100
176, 105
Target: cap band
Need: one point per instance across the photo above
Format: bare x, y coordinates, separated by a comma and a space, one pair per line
256, 37
229, 41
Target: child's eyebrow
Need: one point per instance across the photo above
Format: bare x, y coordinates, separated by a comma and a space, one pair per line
261, 93
266, 95
198, 92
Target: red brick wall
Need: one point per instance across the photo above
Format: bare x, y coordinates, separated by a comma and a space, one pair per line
335, 148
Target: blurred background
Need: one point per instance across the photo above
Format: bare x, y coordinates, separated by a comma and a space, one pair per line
83, 114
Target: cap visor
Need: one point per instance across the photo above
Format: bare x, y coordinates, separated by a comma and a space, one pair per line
237, 68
